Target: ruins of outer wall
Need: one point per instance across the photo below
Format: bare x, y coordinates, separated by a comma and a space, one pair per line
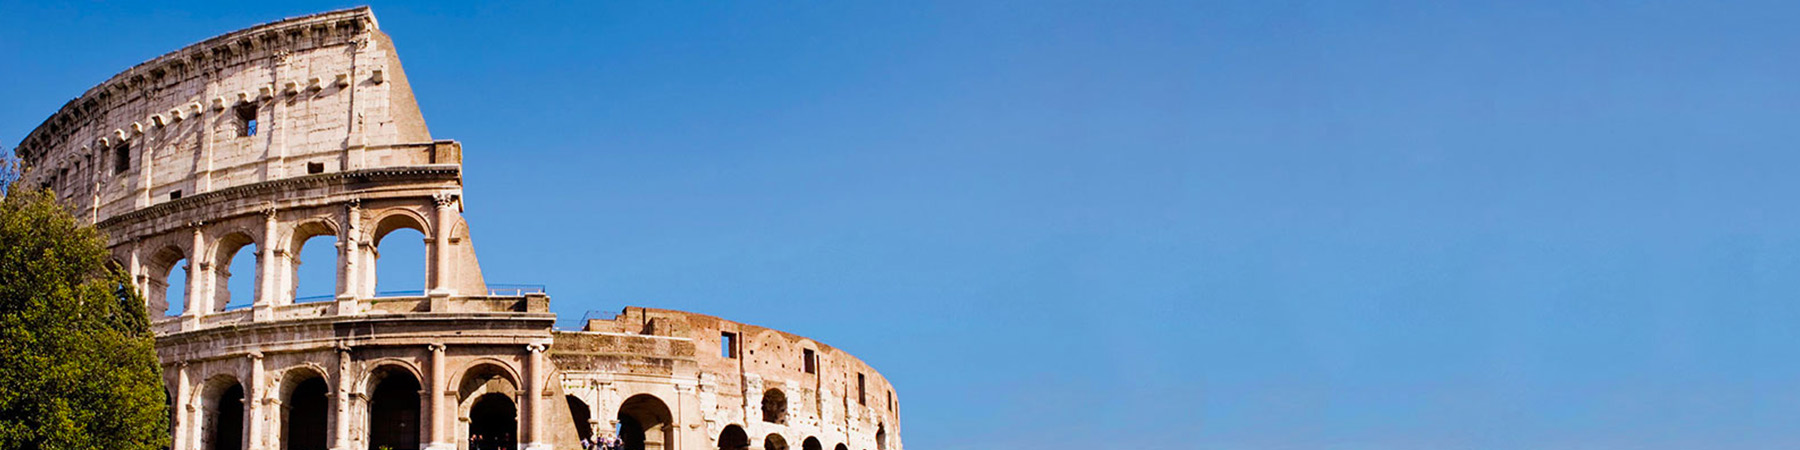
254, 142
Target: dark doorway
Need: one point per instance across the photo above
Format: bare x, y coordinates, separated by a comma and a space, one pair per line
645, 423
493, 423
228, 425
733, 438
578, 412
304, 417
394, 412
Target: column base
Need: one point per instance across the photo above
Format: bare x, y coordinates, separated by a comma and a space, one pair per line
538, 446
441, 446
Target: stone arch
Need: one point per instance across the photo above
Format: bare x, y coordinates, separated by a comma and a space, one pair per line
305, 408
841, 447
811, 443
223, 412
479, 386
394, 406
226, 249
319, 231
733, 437
645, 423
774, 441
386, 224
774, 406
158, 268
581, 415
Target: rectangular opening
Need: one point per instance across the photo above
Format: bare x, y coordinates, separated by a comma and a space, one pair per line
862, 394
315, 167
728, 344
121, 158
246, 115
890, 401
175, 195
809, 360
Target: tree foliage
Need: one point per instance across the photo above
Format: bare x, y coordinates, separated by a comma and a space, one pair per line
78, 367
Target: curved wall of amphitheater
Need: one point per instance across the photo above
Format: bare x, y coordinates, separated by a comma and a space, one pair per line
263, 138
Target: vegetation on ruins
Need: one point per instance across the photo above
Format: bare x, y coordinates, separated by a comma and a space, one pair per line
78, 369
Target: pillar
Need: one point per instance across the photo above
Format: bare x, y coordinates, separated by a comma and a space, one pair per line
183, 410
349, 251
269, 269
341, 399
534, 398
441, 411
191, 305
441, 266
253, 402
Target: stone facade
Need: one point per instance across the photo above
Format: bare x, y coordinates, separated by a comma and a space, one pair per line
265, 137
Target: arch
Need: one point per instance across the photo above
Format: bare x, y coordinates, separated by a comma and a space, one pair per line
386, 225
841, 447
645, 423
227, 251
162, 300
493, 422
734, 438
307, 280
305, 409
222, 409
486, 375
774, 406
811, 443
774, 441
581, 415
394, 407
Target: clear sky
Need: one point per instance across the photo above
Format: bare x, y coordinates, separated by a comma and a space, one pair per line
1134, 225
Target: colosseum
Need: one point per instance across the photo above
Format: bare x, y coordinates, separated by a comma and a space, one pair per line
255, 142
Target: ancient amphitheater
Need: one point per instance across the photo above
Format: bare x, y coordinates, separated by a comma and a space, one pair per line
254, 142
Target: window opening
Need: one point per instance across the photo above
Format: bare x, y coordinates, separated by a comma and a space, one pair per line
862, 395
246, 116
121, 158
728, 344
175, 195
315, 167
809, 360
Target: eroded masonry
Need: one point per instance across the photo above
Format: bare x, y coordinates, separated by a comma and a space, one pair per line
255, 143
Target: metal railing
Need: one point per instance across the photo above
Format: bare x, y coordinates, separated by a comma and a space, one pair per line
513, 290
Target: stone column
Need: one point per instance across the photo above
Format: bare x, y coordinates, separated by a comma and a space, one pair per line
533, 398
253, 401
348, 281
341, 399
191, 305
268, 270
183, 411
441, 266
441, 412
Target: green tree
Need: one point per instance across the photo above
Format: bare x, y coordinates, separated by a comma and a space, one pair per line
78, 366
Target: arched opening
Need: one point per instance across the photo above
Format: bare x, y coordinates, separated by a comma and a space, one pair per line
314, 261
880, 437
644, 423
811, 443
774, 406
493, 423
399, 257
841, 447
303, 415
774, 442
236, 255
734, 438
228, 419
394, 410
579, 413
169, 408
168, 290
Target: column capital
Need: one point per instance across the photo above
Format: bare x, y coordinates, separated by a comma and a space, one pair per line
436, 348
536, 348
444, 199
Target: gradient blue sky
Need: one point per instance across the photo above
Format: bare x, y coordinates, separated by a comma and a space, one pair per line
1135, 225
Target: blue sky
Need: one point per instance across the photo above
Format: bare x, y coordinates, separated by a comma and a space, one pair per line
1132, 224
